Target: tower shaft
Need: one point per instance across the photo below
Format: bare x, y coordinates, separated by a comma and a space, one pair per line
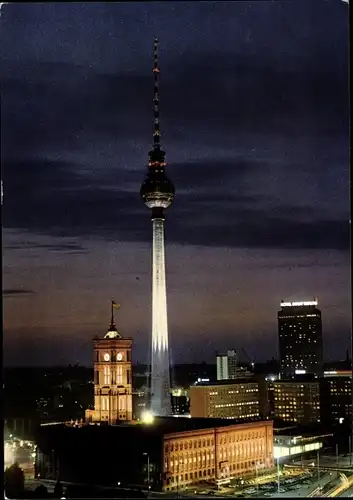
160, 376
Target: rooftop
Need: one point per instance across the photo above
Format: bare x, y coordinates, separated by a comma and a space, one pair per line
159, 427
234, 381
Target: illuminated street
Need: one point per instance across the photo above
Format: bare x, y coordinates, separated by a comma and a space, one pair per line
22, 452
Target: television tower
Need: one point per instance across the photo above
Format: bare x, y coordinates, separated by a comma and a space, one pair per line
157, 192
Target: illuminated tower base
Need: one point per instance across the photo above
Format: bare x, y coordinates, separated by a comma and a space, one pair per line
160, 376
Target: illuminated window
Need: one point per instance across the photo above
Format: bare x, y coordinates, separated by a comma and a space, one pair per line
106, 375
119, 373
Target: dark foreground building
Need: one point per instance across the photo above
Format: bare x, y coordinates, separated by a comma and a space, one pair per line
168, 454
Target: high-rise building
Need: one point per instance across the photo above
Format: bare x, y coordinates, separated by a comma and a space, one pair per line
226, 365
297, 400
300, 338
225, 400
112, 377
157, 192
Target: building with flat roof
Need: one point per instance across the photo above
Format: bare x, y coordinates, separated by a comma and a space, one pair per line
336, 398
287, 446
297, 400
300, 338
227, 365
225, 399
167, 454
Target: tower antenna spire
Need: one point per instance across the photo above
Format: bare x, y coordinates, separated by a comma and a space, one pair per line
156, 130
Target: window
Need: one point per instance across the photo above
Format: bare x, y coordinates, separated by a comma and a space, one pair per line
106, 375
119, 373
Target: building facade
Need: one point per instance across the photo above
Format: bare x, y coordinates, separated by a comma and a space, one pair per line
226, 365
112, 378
297, 400
217, 454
167, 455
336, 398
225, 400
300, 339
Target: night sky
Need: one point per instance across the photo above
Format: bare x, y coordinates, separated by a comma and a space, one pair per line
254, 120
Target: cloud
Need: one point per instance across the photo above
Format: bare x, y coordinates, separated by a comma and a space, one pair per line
215, 207
72, 248
256, 139
14, 292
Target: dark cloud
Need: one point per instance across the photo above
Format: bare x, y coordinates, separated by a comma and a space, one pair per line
14, 292
77, 134
212, 201
55, 247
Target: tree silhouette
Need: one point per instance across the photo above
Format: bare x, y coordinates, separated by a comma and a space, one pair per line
58, 490
14, 481
41, 492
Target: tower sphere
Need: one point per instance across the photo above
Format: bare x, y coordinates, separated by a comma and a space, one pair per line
157, 190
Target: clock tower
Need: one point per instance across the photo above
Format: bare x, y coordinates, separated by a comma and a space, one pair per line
112, 377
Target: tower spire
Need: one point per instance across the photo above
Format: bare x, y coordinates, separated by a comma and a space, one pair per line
156, 131
112, 322
156, 155
113, 332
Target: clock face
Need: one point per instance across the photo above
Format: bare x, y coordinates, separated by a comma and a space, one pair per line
119, 356
106, 357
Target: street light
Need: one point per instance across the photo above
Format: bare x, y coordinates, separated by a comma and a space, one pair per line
147, 417
278, 484
318, 464
148, 470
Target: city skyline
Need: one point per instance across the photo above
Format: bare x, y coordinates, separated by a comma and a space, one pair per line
255, 122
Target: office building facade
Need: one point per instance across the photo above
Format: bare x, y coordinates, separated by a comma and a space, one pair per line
226, 365
227, 399
297, 400
336, 398
300, 339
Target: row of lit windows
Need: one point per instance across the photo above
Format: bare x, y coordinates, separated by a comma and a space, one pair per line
242, 403
223, 392
218, 414
188, 476
225, 438
244, 448
299, 316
